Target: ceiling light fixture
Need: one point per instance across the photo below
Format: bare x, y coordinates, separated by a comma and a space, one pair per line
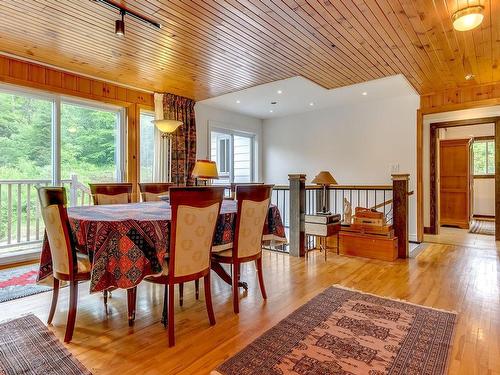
311, 104
120, 24
271, 111
468, 18
364, 93
238, 101
469, 76
280, 92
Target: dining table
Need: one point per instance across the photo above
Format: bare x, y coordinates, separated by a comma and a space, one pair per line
127, 242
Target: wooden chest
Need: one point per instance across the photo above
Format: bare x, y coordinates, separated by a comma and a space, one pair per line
368, 246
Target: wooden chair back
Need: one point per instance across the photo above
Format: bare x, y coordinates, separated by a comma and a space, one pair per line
111, 193
253, 206
53, 208
195, 211
151, 191
234, 186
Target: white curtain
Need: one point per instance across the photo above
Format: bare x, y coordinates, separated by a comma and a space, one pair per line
161, 149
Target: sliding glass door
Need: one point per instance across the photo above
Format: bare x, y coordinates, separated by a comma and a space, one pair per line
52, 140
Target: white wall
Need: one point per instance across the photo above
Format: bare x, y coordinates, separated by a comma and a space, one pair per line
359, 144
440, 117
483, 188
227, 120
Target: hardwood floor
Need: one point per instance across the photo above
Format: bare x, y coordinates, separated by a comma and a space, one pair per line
442, 276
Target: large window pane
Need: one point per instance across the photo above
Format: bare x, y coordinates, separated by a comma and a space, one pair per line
25, 162
242, 159
479, 155
90, 143
491, 157
147, 146
25, 137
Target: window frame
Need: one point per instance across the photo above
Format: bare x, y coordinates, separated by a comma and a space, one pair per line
486, 140
220, 128
57, 101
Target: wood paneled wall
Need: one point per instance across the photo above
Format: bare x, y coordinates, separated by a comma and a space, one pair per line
28, 74
461, 98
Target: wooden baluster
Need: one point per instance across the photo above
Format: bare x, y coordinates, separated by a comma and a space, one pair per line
19, 214
400, 212
9, 214
297, 214
28, 212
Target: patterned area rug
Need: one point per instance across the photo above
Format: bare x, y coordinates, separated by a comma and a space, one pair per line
482, 227
27, 347
345, 332
20, 282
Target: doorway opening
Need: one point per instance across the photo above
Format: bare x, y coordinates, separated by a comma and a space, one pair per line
464, 180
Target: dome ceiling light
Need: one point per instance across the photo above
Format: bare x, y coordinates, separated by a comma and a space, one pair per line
468, 18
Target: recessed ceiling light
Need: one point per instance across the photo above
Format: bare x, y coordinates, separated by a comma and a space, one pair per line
280, 92
311, 104
271, 111
238, 102
364, 93
469, 76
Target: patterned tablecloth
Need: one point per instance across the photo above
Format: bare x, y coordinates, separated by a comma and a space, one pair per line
127, 242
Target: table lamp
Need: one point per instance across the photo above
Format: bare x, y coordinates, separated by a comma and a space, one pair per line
167, 128
325, 179
205, 170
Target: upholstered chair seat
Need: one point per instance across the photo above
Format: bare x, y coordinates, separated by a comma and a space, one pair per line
83, 263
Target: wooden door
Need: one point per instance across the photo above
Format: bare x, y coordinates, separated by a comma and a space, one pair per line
454, 180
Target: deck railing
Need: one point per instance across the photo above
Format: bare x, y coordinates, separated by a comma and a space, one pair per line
20, 216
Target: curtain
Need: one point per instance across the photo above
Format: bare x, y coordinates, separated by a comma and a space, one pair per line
183, 140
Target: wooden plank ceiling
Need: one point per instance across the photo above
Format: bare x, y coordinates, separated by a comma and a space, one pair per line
211, 47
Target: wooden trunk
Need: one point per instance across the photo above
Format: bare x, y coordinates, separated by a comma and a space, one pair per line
368, 246
454, 180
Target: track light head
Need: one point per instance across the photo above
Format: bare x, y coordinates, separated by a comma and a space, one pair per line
120, 26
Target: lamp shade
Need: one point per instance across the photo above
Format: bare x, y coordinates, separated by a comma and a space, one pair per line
205, 169
167, 126
324, 178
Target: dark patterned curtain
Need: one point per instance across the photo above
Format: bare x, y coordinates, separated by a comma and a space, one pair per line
184, 138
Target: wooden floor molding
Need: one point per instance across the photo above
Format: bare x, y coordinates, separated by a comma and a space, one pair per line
446, 277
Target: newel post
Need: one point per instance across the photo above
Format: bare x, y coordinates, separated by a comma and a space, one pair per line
400, 184
297, 214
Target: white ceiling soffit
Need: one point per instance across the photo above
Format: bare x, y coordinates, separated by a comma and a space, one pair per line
299, 95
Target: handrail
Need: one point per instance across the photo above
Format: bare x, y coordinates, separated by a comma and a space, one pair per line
339, 187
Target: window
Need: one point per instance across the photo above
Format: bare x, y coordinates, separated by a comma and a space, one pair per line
483, 151
233, 153
147, 146
47, 139
90, 143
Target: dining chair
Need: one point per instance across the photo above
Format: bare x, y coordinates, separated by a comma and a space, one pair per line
253, 206
195, 211
67, 263
111, 193
151, 191
234, 185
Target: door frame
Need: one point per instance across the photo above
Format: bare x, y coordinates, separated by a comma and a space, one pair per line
434, 127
